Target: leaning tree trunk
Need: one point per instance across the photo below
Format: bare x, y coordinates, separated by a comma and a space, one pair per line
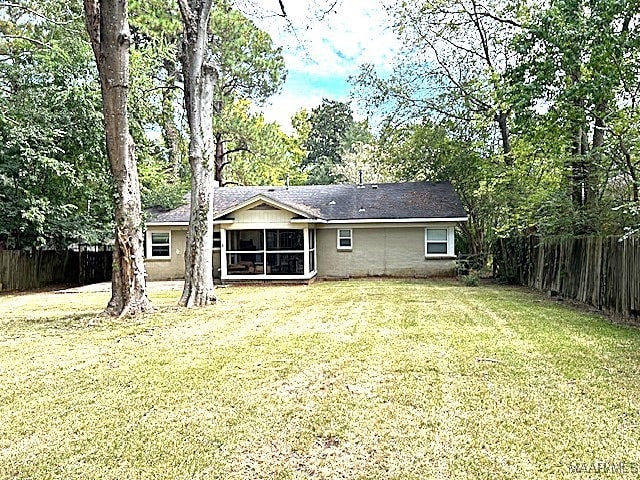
108, 28
199, 81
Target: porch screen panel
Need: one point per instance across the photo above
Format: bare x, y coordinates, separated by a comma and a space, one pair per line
245, 240
285, 263
285, 240
245, 252
285, 252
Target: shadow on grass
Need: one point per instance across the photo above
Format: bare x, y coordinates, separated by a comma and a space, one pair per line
73, 321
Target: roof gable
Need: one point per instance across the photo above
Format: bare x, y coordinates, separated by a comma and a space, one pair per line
262, 199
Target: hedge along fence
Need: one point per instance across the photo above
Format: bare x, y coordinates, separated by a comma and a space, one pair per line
29, 269
601, 271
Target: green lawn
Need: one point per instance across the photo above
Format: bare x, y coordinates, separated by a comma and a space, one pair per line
338, 380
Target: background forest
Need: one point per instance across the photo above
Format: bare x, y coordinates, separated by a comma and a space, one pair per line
531, 109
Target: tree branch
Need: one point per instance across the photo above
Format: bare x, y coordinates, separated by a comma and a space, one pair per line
185, 11
33, 12
482, 33
9, 119
493, 16
236, 150
28, 39
328, 11
163, 87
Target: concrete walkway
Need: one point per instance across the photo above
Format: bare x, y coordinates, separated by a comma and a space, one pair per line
106, 287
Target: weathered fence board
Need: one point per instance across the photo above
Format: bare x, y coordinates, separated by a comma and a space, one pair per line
600, 271
28, 269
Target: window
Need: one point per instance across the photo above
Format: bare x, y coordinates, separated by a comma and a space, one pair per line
159, 244
216, 240
436, 242
345, 239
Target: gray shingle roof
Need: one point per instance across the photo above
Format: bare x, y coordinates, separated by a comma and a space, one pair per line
341, 202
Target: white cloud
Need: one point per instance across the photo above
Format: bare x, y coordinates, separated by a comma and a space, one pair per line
285, 105
321, 54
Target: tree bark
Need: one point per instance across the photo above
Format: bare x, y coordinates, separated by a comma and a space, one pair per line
108, 28
595, 157
170, 132
502, 119
199, 81
579, 149
220, 159
631, 170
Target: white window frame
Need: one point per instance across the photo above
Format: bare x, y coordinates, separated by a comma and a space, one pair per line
310, 234
449, 241
350, 237
150, 244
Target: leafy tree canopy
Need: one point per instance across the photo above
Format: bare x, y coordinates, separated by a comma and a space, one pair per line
54, 176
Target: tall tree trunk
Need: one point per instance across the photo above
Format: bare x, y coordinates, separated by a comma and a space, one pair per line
170, 132
595, 157
220, 159
108, 28
579, 150
199, 81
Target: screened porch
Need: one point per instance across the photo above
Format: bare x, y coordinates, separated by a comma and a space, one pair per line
265, 253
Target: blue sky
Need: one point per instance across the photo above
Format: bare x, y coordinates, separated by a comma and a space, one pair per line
321, 55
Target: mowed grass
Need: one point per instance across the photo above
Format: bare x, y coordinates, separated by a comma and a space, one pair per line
338, 380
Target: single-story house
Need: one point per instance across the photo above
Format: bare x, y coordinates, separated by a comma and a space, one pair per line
324, 231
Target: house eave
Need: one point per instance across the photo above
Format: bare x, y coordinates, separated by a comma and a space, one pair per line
167, 224
307, 220
401, 220
224, 221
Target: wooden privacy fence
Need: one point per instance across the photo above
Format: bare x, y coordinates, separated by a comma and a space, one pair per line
601, 271
28, 269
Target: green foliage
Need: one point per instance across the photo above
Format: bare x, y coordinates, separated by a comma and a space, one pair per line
159, 187
329, 131
363, 158
249, 66
154, 104
264, 154
530, 110
579, 59
471, 280
53, 171
154, 21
